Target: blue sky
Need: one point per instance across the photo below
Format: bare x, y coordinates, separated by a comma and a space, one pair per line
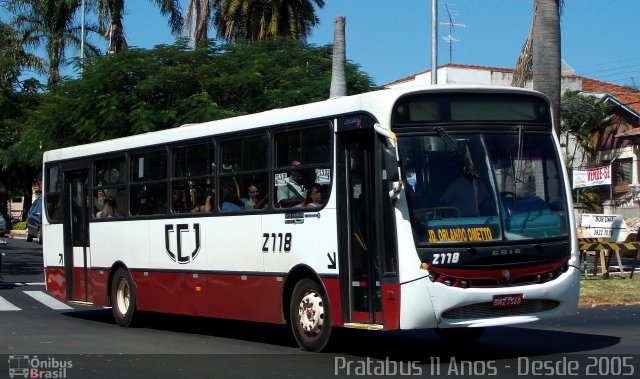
391, 39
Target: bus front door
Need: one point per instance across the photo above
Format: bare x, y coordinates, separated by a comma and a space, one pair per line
76, 235
361, 273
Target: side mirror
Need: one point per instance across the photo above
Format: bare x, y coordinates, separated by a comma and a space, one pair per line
391, 164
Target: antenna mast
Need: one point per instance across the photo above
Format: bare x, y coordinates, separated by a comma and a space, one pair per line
452, 27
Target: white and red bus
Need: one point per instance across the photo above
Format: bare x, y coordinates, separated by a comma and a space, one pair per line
431, 207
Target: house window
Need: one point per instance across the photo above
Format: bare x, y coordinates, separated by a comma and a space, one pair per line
622, 172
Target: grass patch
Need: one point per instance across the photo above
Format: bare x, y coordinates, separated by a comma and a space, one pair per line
615, 290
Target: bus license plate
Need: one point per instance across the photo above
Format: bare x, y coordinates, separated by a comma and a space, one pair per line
507, 301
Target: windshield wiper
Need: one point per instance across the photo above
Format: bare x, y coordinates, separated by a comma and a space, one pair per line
458, 155
517, 167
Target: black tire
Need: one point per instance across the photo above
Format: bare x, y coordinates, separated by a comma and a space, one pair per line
460, 335
310, 316
29, 237
123, 298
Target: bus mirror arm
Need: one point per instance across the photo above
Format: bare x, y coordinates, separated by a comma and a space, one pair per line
396, 187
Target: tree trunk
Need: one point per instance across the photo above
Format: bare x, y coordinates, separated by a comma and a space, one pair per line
115, 34
546, 55
338, 74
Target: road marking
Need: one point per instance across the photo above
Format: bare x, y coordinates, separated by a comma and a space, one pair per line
47, 300
7, 306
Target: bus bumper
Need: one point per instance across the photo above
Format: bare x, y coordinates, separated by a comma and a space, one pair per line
448, 307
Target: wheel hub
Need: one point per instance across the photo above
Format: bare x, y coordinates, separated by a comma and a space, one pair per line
311, 313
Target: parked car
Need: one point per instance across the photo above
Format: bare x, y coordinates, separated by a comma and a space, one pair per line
3, 225
34, 221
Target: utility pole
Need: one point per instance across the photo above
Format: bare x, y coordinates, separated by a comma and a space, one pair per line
434, 41
82, 41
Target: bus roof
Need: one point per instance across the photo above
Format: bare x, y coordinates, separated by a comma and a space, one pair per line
378, 103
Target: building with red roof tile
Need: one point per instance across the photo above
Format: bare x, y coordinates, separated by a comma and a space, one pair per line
618, 145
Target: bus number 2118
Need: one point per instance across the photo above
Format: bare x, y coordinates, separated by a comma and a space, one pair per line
278, 242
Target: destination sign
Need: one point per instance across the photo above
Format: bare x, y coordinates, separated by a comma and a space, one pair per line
462, 233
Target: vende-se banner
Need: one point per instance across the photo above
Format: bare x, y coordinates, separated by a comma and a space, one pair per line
596, 176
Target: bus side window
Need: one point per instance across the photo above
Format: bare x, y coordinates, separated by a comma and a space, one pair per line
302, 158
192, 177
149, 183
109, 186
243, 164
53, 197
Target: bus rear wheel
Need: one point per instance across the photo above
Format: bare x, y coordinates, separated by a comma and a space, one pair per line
123, 297
310, 316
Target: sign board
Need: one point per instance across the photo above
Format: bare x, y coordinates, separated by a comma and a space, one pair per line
604, 226
595, 176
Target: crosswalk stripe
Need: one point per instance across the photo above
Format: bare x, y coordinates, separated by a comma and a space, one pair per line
47, 300
7, 306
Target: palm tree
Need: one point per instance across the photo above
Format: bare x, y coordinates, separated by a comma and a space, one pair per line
584, 120
541, 52
51, 22
13, 57
546, 55
197, 20
338, 74
253, 20
110, 13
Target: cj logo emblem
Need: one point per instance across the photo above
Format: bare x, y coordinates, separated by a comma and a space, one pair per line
176, 235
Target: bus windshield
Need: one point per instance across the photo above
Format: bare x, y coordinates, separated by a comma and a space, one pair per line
476, 187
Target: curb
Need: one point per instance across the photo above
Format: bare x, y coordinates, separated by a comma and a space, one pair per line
18, 233
596, 305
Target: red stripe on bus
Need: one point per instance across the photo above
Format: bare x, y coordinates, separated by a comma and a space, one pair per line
231, 296
391, 305
332, 286
56, 283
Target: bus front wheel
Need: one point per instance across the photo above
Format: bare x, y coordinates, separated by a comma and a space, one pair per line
123, 297
310, 316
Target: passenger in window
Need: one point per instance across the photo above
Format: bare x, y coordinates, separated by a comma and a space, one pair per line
160, 201
256, 200
315, 198
293, 192
178, 205
109, 209
203, 202
230, 201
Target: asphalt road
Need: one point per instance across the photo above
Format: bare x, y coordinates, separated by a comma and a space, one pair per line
87, 342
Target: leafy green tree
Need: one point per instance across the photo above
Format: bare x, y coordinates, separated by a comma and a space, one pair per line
277, 73
584, 119
51, 23
253, 20
16, 97
111, 12
138, 90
